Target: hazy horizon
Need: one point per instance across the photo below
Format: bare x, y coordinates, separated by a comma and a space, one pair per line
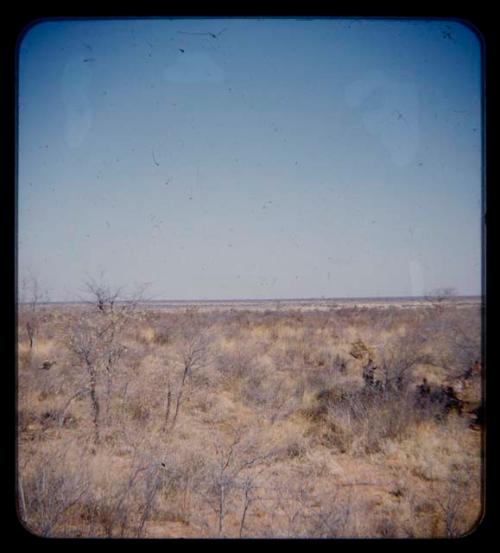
263, 159
255, 300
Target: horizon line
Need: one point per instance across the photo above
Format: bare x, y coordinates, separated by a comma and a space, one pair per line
289, 299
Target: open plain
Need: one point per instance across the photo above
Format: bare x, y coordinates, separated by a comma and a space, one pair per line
303, 418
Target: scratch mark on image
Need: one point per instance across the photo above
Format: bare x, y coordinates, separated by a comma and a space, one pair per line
154, 158
213, 35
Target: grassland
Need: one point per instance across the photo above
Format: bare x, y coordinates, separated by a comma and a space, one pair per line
229, 421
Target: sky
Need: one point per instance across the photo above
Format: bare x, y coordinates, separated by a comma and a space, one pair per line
250, 158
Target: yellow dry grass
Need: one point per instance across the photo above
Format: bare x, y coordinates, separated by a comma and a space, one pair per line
253, 405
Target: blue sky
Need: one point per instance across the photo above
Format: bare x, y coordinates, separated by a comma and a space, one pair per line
282, 158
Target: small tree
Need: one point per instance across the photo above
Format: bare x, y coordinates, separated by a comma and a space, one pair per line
96, 341
440, 296
229, 471
31, 297
398, 358
85, 346
193, 352
457, 333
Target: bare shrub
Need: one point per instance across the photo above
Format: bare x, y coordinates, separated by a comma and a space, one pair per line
293, 505
193, 355
256, 390
463, 338
95, 340
164, 335
120, 507
31, 296
236, 364
453, 505
440, 296
326, 374
331, 517
361, 421
84, 344
48, 493
183, 476
399, 357
457, 330
229, 470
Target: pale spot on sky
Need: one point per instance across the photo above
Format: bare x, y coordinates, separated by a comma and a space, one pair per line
390, 112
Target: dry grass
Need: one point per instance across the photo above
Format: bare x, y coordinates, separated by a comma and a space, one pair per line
253, 424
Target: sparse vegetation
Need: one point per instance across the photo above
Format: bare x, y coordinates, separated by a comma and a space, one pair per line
31, 297
290, 422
